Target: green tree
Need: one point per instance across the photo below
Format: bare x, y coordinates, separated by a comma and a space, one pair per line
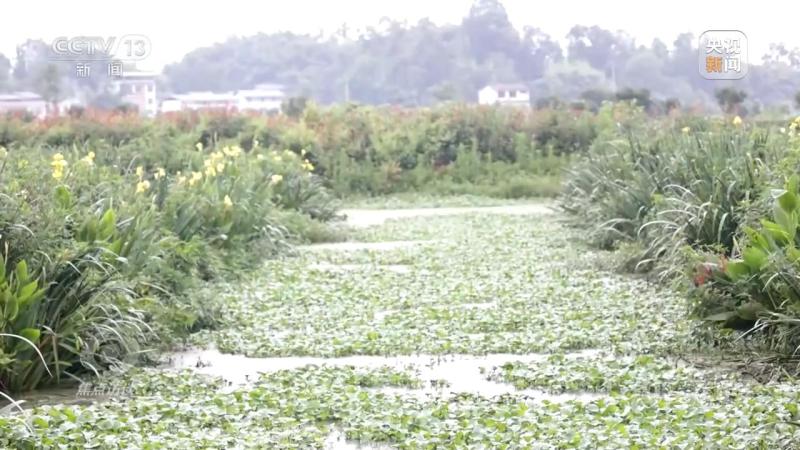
730, 99
5, 73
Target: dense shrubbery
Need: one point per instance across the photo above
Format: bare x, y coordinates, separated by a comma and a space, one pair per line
355, 149
99, 248
686, 202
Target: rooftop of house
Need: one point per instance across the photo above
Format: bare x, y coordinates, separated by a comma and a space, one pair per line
508, 87
202, 96
20, 97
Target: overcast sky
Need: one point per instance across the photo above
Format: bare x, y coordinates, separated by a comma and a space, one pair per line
176, 28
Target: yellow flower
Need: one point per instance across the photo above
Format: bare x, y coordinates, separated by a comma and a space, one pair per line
233, 152
210, 171
199, 146
275, 179
303, 152
255, 142
737, 121
260, 157
277, 158
140, 172
196, 176
142, 186
228, 203
89, 158
307, 165
686, 130
181, 179
782, 130
160, 173
220, 167
58, 164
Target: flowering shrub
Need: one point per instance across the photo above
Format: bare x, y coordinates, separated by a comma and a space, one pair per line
97, 256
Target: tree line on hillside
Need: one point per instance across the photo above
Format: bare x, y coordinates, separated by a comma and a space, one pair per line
425, 63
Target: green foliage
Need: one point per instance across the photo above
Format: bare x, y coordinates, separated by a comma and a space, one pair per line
760, 284
103, 248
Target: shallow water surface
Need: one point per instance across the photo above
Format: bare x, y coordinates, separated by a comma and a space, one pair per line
369, 217
442, 375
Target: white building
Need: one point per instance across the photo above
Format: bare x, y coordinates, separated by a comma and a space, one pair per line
198, 101
262, 98
23, 102
139, 89
505, 94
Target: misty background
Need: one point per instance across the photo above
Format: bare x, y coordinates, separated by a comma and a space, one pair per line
401, 59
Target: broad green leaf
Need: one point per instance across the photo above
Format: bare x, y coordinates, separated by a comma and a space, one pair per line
63, 197
32, 334
754, 257
22, 272
777, 232
737, 270
11, 308
107, 225
793, 183
787, 221
788, 201
24, 292
750, 310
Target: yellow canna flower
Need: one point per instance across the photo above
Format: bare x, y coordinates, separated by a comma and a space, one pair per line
160, 173
233, 152
196, 177
88, 159
220, 167
275, 179
58, 164
210, 171
199, 146
142, 186
140, 172
737, 121
307, 165
227, 202
181, 179
686, 130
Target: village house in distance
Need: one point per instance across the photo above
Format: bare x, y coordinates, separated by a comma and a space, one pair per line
511, 94
139, 89
264, 98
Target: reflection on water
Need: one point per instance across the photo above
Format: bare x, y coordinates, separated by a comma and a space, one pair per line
355, 246
370, 217
442, 375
